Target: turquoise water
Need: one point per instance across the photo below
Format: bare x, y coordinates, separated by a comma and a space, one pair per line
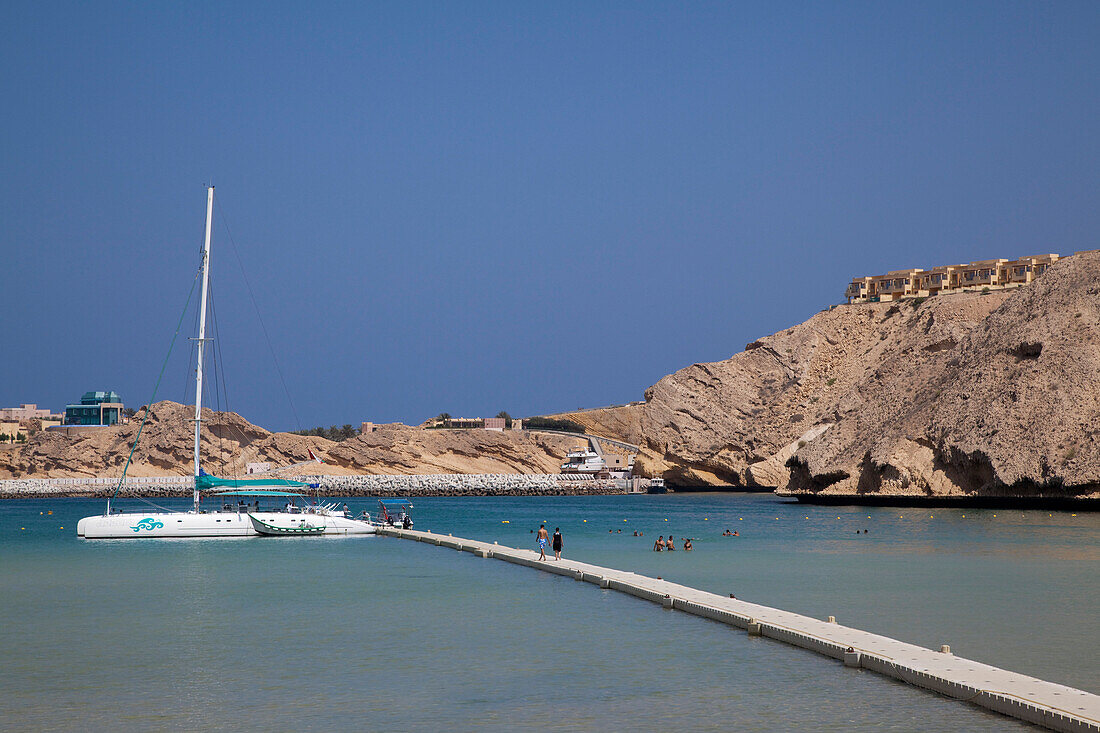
386, 634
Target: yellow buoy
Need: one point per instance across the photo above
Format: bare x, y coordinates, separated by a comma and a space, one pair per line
740, 519
584, 520
666, 520
505, 521
994, 515
624, 520
1073, 515
50, 512
704, 519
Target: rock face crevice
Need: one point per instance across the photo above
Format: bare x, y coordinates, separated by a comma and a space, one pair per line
994, 394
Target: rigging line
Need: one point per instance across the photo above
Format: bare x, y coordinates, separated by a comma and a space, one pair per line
220, 371
275, 359
221, 362
149, 407
192, 357
219, 368
214, 365
152, 503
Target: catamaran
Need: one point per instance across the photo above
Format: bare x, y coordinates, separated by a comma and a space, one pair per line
237, 507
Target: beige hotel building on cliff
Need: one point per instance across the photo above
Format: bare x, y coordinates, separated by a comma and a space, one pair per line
917, 283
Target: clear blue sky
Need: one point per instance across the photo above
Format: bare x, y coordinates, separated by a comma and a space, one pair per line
470, 207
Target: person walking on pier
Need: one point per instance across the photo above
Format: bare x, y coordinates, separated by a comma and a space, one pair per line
557, 543
542, 536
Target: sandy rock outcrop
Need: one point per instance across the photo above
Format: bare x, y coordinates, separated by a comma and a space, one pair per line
399, 449
229, 443
1012, 409
970, 394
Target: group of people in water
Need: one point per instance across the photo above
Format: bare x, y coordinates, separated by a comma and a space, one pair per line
670, 544
556, 543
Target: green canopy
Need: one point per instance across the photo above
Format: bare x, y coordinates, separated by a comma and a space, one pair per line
204, 482
257, 493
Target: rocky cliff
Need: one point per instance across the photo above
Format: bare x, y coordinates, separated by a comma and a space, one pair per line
229, 443
963, 395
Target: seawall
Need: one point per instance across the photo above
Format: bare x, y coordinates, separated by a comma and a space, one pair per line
388, 485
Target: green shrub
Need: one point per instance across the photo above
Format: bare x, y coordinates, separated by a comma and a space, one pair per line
550, 423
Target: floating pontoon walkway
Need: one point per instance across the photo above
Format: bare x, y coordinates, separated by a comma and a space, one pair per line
1044, 703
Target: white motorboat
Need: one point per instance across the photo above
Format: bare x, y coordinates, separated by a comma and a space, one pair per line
236, 507
583, 460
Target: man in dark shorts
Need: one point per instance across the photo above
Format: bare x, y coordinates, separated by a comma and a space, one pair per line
557, 544
542, 536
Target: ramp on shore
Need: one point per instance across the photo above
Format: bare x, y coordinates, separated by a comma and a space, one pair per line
1050, 705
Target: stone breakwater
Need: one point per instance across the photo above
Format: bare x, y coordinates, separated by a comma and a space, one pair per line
421, 485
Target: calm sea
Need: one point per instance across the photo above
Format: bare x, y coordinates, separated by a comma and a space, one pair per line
385, 634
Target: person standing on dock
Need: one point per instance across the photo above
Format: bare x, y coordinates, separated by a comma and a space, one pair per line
542, 536
557, 543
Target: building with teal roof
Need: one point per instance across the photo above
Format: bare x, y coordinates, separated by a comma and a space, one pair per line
95, 408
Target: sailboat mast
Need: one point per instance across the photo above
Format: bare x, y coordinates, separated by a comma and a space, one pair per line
202, 333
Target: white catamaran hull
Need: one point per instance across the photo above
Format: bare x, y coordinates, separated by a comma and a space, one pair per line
209, 524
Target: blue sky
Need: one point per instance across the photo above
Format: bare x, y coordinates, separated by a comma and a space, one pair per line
470, 207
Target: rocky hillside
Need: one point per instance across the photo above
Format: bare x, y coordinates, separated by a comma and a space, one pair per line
969, 394
963, 395
229, 442
399, 449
